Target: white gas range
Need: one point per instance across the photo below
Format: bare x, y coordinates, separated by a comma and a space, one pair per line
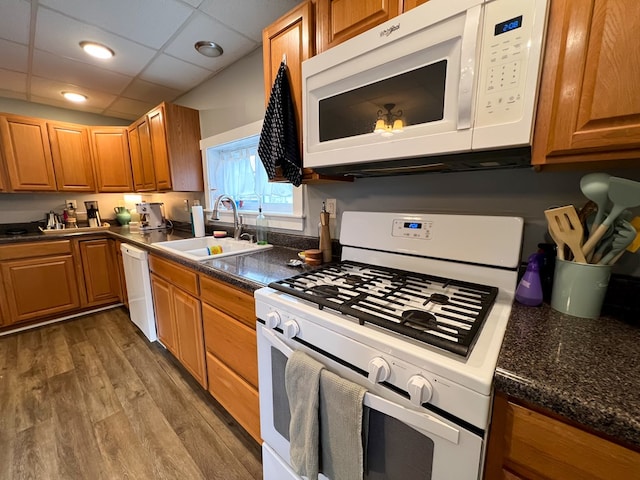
415, 312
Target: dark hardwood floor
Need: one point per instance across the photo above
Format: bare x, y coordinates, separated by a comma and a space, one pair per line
91, 398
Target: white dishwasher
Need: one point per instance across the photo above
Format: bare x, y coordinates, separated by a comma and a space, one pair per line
136, 272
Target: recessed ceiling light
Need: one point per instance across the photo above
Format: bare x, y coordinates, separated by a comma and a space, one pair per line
74, 97
208, 49
97, 50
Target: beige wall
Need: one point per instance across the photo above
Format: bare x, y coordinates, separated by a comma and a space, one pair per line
20, 107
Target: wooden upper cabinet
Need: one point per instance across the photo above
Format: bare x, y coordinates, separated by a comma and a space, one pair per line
26, 151
71, 157
111, 159
409, 4
290, 36
156, 120
144, 179
165, 150
340, 20
589, 107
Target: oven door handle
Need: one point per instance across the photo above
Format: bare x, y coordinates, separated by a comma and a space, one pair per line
422, 422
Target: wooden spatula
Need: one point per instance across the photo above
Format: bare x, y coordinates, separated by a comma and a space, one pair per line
566, 226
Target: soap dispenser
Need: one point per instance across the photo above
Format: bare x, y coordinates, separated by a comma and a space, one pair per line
262, 225
529, 291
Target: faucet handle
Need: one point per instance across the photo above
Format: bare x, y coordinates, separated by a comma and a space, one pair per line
249, 236
241, 221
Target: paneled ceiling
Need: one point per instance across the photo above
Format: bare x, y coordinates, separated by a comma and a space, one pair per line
153, 40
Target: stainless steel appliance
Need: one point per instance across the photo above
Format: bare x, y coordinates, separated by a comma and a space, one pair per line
151, 215
415, 312
447, 77
93, 215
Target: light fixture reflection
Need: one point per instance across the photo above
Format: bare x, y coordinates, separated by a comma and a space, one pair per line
97, 50
389, 122
74, 97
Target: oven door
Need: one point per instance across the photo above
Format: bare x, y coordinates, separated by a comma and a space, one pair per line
403, 442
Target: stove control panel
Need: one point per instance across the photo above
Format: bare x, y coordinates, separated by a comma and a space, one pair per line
419, 229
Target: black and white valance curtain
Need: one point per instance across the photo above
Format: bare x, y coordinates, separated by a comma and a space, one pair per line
278, 145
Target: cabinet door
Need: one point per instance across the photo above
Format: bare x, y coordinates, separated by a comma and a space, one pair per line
144, 179
27, 153
99, 267
589, 107
292, 36
188, 321
71, 157
39, 287
157, 133
164, 317
409, 4
111, 159
340, 20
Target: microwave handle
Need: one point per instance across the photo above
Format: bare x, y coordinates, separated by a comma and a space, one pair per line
421, 422
468, 66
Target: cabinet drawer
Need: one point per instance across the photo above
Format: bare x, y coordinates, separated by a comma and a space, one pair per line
230, 300
232, 342
543, 447
176, 274
34, 249
238, 397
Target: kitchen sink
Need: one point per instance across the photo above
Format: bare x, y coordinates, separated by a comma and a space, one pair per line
205, 248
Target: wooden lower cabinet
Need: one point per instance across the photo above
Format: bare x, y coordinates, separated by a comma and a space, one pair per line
39, 280
228, 316
178, 314
100, 271
526, 444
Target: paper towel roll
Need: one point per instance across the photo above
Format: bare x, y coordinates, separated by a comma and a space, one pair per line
197, 217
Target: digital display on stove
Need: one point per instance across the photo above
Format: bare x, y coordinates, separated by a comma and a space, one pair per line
508, 25
413, 225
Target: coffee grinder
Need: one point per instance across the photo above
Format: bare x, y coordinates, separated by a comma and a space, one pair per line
93, 216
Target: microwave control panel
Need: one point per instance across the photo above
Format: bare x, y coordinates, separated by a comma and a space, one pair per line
418, 229
503, 75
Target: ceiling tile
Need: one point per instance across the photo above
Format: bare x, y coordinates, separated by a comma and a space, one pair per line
248, 17
16, 15
194, 3
14, 56
174, 73
62, 69
150, 92
62, 35
131, 107
203, 27
149, 22
13, 82
47, 88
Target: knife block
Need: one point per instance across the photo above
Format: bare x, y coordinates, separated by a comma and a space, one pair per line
325, 237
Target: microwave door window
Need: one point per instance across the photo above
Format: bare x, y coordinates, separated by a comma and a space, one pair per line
416, 97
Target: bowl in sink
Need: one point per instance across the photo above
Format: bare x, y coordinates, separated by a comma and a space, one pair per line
206, 248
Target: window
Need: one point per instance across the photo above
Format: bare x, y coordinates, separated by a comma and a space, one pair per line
232, 166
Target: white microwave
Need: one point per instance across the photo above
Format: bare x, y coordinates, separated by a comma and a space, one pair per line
428, 89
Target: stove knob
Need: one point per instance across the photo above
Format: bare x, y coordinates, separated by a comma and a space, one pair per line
290, 329
420, 390
379, 370
273, 319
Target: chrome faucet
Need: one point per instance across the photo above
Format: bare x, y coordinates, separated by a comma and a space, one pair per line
237, 219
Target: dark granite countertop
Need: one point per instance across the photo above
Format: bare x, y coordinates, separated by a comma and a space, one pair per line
587, 371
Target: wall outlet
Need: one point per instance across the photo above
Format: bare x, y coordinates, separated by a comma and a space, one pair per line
331, 205
186, 205
72, 202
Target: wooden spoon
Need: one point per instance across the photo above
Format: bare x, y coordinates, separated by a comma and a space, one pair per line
566, 226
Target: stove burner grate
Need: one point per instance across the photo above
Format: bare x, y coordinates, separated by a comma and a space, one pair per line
438, 311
